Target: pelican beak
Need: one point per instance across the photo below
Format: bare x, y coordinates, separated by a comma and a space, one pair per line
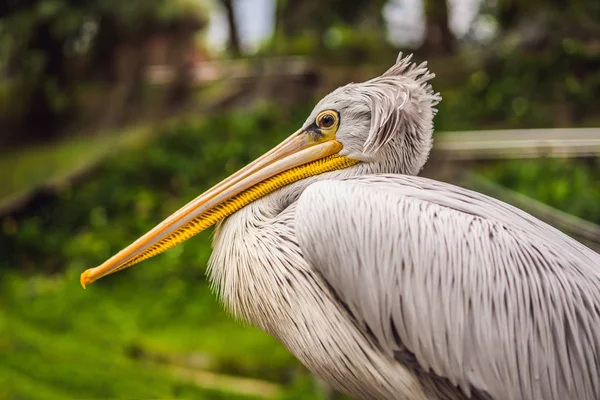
297, 157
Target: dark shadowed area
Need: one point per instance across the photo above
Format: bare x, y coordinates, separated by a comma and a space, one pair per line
113, 114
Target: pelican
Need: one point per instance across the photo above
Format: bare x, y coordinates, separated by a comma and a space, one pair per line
384, 284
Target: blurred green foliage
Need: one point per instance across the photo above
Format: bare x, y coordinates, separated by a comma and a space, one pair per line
556, 88
51, 49
569, 185
541, 69
338, 44
331, 31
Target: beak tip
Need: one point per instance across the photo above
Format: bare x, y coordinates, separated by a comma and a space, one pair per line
86, 278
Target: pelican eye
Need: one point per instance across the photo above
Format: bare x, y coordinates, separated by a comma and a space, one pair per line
326, 120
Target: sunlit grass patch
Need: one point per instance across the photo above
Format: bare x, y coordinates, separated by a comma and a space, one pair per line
97, 344
27, 168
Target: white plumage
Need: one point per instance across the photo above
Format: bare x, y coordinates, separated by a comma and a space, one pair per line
390, 286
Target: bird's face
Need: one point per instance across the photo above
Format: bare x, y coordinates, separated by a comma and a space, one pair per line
386, 121
344, 116
351, 125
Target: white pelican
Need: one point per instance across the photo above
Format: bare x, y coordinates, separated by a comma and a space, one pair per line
384, 284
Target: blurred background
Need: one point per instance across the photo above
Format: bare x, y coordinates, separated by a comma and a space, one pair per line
115, 113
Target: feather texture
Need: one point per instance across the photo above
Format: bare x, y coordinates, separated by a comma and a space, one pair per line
389, 94
481, 293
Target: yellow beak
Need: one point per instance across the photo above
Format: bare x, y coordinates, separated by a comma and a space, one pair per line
295, 158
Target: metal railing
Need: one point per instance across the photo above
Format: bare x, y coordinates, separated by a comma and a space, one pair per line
519, 143
452, 149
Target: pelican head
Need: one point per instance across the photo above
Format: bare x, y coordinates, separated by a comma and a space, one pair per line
381, 125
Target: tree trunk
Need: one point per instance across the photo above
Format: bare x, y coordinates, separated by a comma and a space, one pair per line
43, 118
234, 36
439, 39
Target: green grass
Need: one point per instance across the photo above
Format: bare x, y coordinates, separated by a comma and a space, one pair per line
27, 168
102, 343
